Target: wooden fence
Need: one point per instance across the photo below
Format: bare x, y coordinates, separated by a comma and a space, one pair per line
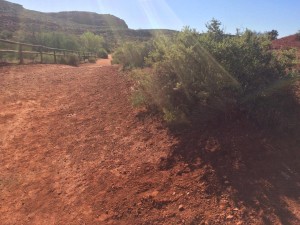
41, 50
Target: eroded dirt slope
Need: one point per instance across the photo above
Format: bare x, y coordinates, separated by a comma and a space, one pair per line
74, 151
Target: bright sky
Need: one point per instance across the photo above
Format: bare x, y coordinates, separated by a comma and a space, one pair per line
259, 15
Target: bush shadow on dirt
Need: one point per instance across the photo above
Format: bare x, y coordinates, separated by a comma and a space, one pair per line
261, 166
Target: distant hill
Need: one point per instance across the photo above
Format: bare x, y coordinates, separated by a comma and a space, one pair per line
13, 18
291, 41
288, 42
103, 21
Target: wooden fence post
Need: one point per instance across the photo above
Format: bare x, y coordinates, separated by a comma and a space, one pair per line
54, 57
38, 50
41, 53
21, 54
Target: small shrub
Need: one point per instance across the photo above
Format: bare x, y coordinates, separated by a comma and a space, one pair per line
287, 56
146, 91
63, 60
92, 60
5, 34
48, 59
102, 53
9, 58
73, 60
137, 99
132, 54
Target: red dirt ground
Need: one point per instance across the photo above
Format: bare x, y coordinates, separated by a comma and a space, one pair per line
74, 151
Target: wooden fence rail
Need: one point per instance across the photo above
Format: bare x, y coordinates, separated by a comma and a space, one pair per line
42, 50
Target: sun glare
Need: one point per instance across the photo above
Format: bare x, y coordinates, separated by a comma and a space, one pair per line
160, 14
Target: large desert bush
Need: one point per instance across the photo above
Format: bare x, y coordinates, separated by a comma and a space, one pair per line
201, 76
248, 58
91, 42
132, 54
186, 81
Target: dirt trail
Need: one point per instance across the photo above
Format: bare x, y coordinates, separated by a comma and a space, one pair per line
67, 135
74, 151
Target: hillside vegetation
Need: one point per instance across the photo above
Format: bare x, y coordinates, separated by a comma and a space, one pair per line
14, 19
292, 41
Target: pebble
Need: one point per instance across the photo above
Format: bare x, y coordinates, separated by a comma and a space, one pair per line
229, 217
180, 207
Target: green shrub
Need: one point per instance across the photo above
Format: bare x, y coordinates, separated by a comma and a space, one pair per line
5, 34
132, 54
91, 42
63, 60
186, 80
263, 75
138, 99
247, 58
51, 39
102, 53
199, 77
48, 59
92, 60
9, 58
73, 60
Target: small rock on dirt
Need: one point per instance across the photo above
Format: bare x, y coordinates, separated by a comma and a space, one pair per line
181, 207
229, 217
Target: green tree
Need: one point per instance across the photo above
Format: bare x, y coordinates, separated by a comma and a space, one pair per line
91, 42
52, 39
214, 29
272, 35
